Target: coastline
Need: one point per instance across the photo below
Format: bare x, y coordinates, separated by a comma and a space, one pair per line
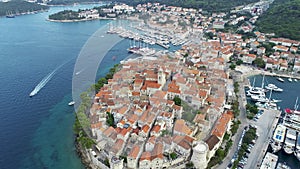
29, 13
74, 4
80, 20
252, 72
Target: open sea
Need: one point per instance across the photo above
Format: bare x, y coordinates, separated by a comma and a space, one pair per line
288, 97
37, 132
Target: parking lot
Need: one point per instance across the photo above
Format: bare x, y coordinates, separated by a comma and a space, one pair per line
265, 126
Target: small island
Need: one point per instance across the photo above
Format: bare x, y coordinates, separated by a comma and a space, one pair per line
67, 15
111, 11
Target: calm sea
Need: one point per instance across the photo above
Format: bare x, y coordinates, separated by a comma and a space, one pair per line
288, 97
37, 132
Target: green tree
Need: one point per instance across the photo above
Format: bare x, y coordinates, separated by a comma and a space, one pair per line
232, 66
173, 155
259, 62
177, 101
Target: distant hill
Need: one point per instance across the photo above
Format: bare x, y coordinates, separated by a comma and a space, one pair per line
68, 2
207, 5
19, 6
282, 18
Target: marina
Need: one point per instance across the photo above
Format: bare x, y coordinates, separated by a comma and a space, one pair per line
285, 137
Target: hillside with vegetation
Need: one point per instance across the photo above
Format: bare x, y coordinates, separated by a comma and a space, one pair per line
68, 2
18, 6
282, 18
206, 5
65, 15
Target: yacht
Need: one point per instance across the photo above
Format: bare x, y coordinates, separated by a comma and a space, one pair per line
273, 87
290, 79
278, 138
259, 98
295, 80
290, 141
280, 79
71, 103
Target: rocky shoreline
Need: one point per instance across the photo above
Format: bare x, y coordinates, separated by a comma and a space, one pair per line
83, 156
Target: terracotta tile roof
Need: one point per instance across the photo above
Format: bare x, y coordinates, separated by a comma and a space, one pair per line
181, 127
145, 156
157, 151
176, 107
183, 141
145, 128
134, 152
96, 125
136, 93
108, 131
156, 128
221, 125
117, 146
153, 85
166, 114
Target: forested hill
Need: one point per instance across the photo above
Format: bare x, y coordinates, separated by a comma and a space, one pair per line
19, 6
282, 18
68, 2
207, 5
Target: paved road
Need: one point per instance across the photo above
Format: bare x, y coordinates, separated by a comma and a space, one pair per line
244, 122
265, 126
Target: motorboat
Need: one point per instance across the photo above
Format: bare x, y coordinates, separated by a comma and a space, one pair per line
290, 141
71, 103
290, 79
278, 138
273, 87
280, 79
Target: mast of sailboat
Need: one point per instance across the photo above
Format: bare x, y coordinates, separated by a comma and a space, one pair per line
270, 94
296, 104
263, 82
253, 83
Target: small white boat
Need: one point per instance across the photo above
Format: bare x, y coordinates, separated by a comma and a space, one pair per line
71, 103
282, 166
280, 79
290, 79
295, 80
273, 87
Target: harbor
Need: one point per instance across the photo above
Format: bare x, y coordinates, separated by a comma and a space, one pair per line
284, 136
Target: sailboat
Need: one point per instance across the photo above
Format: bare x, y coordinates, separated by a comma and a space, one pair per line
9, 15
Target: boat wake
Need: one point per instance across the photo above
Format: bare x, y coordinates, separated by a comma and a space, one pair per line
44, 81
77, 73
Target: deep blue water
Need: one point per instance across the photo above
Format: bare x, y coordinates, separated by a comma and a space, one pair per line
288, 97
37, 132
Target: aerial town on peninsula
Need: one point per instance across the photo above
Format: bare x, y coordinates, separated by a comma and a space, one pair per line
181, 109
